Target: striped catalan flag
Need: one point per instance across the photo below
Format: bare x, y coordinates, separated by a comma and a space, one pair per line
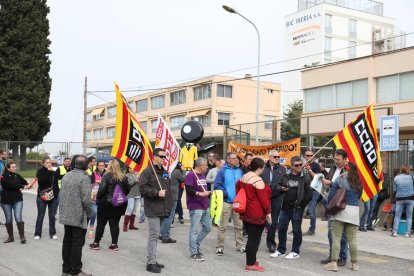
359, 139
131, 144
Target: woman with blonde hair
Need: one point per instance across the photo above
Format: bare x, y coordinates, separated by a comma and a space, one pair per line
112, 181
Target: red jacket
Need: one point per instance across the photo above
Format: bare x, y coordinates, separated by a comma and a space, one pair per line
258, 203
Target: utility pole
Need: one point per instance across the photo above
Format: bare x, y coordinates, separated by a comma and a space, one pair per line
85, 98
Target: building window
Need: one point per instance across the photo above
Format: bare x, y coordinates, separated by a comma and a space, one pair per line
131, 106
328, 23
225, 91
154, 125
204, 120
352, 49
89, 117
88, 135
142, 105
269, 120
341, 95
177, 122
111, 111
100, 116
328, 47
352, 27
98, 134
177, 97
395, 88
157, 102
144, 126
202, 92
110, 132
223, 119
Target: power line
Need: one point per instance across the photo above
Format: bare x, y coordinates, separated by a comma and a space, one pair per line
238, 70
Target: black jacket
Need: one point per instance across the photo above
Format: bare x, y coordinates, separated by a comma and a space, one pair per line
106, 193
47, 179
12, 183
278, 172
155, 206
304, 193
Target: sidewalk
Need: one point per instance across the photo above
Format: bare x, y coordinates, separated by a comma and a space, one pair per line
377, 242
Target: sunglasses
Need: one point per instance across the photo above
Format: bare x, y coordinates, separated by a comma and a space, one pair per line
298, 165
162, 156
309, 155
274, 156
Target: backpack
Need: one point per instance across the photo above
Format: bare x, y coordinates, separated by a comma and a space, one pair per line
240, 202
119, 198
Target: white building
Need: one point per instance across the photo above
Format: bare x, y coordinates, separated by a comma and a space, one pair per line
325, 31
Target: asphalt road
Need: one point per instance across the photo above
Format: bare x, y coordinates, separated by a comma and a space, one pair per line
44, 257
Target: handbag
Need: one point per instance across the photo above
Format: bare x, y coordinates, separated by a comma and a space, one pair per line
338, 201
119, 198
46, 194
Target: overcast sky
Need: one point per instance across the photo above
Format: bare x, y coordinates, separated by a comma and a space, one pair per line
143, 43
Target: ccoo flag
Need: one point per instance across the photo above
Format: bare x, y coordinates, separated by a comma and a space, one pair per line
165, 140
359, 139
131, 145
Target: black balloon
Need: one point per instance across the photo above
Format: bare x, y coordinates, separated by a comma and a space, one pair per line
192, 132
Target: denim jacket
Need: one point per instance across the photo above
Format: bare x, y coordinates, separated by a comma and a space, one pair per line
352, 196
403, 186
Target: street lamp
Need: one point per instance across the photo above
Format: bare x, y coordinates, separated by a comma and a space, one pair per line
231, 10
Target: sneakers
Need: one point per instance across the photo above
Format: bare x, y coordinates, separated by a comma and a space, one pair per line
37, 238
407, 235
362, 229
309, 233
172, 226
181, 221
94, 246
113, 247
394, 234
242, 250
219, 252
160, 265
153, 268
355, 267
292, 256
277, 254
141, 220
197, 257
332, 266
370, 229
254, 268
341, 262
169, 240
54, 237
326, 261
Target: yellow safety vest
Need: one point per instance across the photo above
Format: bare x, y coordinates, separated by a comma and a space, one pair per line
188, 156
216, 206
90, 172
62, 171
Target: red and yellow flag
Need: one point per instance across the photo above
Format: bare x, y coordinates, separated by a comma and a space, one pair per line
359, 139
131, 145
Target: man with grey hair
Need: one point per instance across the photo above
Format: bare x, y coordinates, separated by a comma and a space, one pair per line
198, 205
75, 207
226, 181
271, 175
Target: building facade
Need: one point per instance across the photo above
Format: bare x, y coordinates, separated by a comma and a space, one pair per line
325, 31
215, 102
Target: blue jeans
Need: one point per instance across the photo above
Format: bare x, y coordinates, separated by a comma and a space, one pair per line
94, 212
312, 208
196, 237
343, 252
41, 211
166, 225
132, 206
17, 207
400, 206
367, 215
141, 211
294, 215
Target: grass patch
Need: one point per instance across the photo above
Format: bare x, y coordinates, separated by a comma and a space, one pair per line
28, 173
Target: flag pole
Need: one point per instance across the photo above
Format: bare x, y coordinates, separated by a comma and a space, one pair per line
153, 169
313, 157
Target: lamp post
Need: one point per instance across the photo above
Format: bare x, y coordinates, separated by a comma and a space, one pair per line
231, 10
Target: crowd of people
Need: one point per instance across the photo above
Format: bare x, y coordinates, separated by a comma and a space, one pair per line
85, 191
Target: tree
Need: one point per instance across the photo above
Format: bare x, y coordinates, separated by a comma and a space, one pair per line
25, 83
290, 126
